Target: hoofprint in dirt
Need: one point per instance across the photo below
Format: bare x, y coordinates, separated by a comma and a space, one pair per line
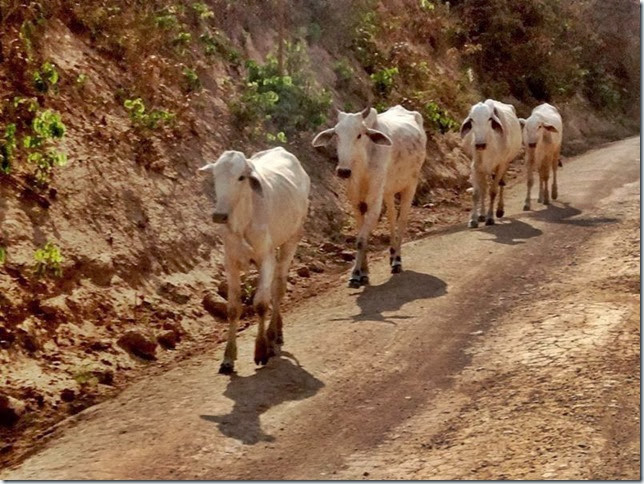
468, 365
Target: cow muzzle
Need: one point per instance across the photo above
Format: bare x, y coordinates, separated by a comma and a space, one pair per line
343, 173
532, 145
481, 146
219, 218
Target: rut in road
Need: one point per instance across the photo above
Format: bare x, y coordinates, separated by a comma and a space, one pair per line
364, 364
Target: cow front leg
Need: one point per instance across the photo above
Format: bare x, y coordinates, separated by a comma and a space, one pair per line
234, 312
360, 274
478, 185
261, 301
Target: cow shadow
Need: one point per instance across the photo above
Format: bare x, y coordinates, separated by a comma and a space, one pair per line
278, 382
564, 213
392, 295
513, 233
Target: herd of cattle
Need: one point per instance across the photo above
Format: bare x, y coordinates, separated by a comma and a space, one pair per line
262, 201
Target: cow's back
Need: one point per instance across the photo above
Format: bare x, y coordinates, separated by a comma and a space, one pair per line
405, 128
286, 186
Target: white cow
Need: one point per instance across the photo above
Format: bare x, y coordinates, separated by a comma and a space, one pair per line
262, 203
381, 156
492, 139
542, 134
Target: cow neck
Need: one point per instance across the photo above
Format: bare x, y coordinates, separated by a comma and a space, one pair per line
241, 214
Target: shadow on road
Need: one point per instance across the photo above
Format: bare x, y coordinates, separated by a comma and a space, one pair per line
513, 233
564, 213
393, 294
280, 381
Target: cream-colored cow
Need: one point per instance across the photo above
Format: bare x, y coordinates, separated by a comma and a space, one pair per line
542, 135
262, 202
492, 139
380, 155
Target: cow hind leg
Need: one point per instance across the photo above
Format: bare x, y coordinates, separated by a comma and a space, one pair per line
261, 302
530, 182
406, 198
392, 218
555, 164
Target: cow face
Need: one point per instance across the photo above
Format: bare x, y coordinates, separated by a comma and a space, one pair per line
353, 137
534, 130
481, 122
233, 177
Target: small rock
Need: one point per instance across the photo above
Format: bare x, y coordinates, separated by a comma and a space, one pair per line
313, 267
303, 272
347, 256
104, 377
135, 343
174, 293
10, 410
365, 473
215, 305
6, 338
27, 341
67, 395
168, 339
222, 289
329, 247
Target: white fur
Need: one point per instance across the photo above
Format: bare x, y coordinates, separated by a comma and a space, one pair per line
544, 130
384, 153
489, 165
263, 226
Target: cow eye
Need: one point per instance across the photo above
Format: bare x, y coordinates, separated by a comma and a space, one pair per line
241, 178
360, 136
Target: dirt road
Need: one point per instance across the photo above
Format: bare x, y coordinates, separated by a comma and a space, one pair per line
504, 352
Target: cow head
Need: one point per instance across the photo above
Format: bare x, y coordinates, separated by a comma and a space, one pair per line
234, 179
534, 129
481, 122
353, 135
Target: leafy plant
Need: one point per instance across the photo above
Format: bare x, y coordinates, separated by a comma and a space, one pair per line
439, 118
384, 80
278, 137
203, 10
287, 103
142, 119
343, 71
81, 80
46, 78
48, 260
217, 44
191, 79
46, 127
3, 255
8, 146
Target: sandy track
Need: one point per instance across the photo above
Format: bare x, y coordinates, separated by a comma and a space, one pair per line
505, 352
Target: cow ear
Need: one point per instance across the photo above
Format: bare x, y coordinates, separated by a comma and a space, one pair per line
466, 127
255, 184
323, 137
496, 122
522, 122
379, 137
206, 168
550, 128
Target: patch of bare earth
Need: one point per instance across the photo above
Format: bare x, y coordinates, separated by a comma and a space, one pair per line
552, 391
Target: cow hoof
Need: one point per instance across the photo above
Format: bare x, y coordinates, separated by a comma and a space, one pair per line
261, 360
354, 283
472, 224
364, 280
396, 269
481, 218
226, 368
526, 207
489, 221
546, 202
500, 213
274, 350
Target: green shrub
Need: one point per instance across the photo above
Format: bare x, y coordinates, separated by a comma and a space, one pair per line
384, 80
288, 103
48, 261
343, 71
438, 118
218, 44
202, 10
146, 120
3, 255
8, 147
46, 128
46, 78
192, 82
